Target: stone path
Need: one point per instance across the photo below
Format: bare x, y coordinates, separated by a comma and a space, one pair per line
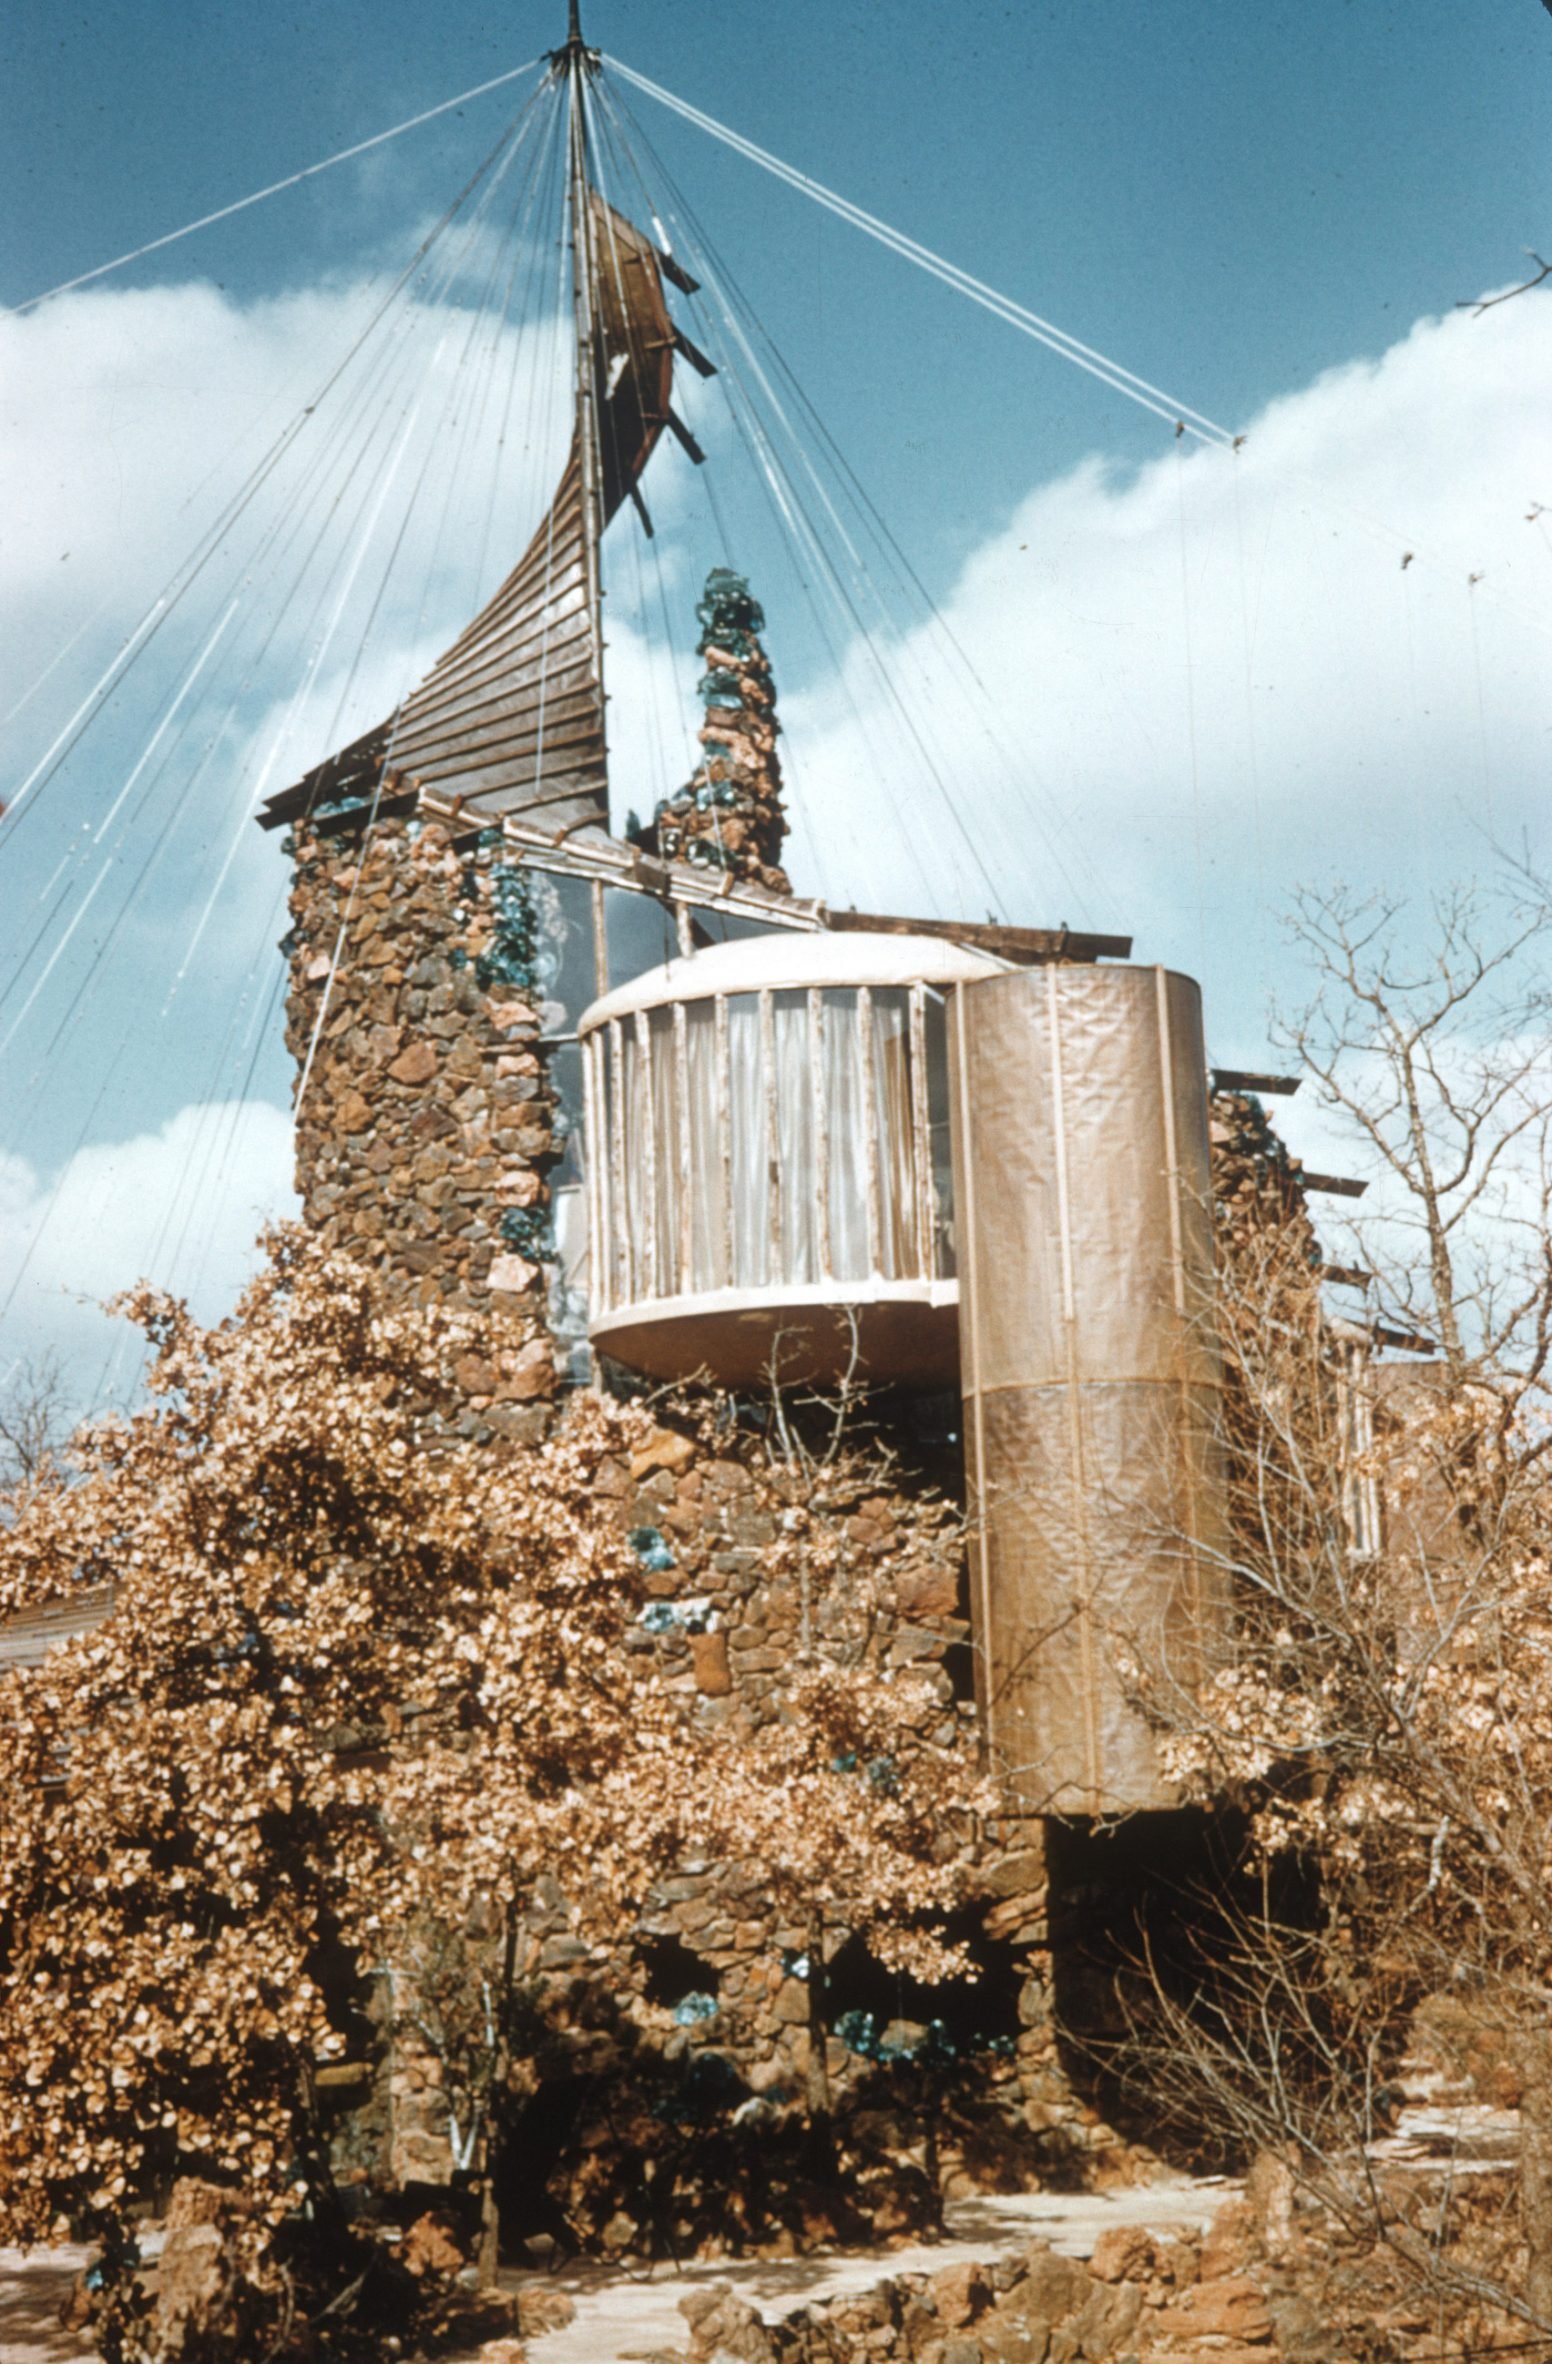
618, 2318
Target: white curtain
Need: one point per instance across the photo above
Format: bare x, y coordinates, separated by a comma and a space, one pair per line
797, 1161
668, 1182
847, 1123
708, 1170
750, 1149
939, 1136
852, 1073
635, 1270
897, 1248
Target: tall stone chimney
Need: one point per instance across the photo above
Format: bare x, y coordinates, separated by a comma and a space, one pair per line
730, 816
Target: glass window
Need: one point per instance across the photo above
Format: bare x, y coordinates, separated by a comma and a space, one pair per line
565, 971
749, 1156
846, 1124
653, 1202
641, 934
797, 1144
709, 1172
668, 1202
770, 1140
569, 1277
710, 926
613, 1251
894, 1133
565, 1067
566, 980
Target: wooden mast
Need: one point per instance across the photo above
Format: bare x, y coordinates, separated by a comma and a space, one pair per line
578, 63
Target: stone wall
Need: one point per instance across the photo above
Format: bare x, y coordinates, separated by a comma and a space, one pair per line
1274, 2275
667, 2107
1140, 2295
1258, 1189
732, 1607
426, 1126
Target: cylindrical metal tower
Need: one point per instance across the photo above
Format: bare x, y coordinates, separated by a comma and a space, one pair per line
1090, 1369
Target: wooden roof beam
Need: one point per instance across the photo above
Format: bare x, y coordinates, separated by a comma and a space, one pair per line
1239, 1079
1024, 946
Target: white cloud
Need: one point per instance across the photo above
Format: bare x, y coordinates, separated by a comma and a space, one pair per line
180, 1207
130, 419
1217, 679
135, 423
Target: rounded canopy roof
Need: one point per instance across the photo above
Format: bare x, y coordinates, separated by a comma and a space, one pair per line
791, 959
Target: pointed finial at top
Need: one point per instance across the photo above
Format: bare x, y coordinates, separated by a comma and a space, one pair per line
574, 51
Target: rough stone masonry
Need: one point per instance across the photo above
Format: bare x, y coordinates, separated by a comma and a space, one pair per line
729, 818
425, 1125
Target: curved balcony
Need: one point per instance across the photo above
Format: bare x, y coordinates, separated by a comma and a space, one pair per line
770, 1177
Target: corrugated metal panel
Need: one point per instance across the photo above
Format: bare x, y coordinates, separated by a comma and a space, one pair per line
511, 718
1090, 1367
27, 1637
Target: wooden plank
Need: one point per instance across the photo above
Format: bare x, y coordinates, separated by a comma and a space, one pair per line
521, 731
28, 1635
1239, 1079
1334, 1185
482, 724
354, 771
559, 671
1020, 945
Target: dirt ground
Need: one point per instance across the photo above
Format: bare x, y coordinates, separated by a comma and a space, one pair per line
32, 2286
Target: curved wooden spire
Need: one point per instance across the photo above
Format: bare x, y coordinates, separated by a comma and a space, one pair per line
511, 717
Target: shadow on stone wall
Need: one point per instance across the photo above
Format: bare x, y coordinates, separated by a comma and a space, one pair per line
635, 2148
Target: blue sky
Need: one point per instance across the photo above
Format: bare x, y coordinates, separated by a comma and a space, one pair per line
1229, 197
1216, 677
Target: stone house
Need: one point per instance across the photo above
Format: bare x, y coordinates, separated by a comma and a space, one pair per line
657, 1118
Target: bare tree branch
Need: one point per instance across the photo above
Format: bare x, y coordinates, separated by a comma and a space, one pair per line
1486, 303
36, 1417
